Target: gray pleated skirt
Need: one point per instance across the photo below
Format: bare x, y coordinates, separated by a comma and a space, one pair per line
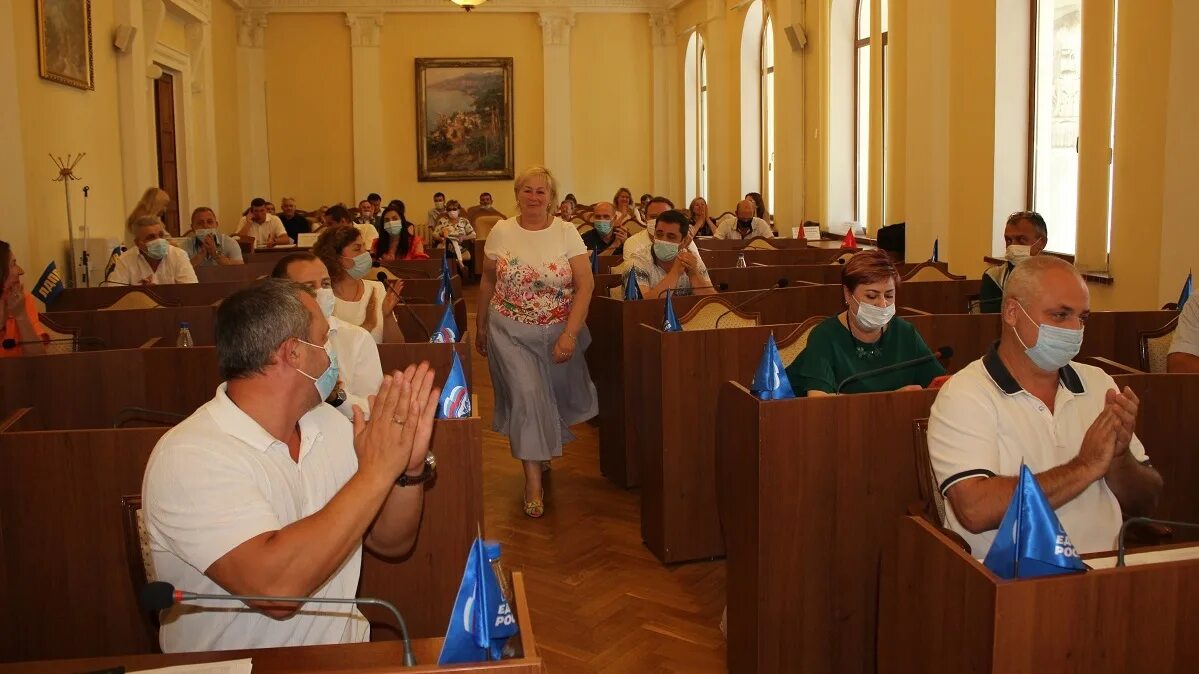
536, 399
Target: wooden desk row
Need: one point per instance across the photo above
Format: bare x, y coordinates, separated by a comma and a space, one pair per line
764, 276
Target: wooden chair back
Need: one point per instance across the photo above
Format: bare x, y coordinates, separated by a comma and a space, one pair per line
928, 271
137, 555
760, 243
715, 312
485, 222
139, 299
63, 338
932, 503
1154, 347
793, 344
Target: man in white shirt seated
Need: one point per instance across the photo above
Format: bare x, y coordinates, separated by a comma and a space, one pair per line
152, 260
357, 354
644, 238
266, 228
266, 490
1026, 402
668, 264
208, 247
1184, 348
340, 215
745, 226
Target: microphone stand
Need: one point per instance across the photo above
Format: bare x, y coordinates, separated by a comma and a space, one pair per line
1131, 521
84, 258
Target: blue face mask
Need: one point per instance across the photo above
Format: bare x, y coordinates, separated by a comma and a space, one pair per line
202, 234
666, 251
157, 249
393, 227
328, 379
604, 227
1055, 346
362, 265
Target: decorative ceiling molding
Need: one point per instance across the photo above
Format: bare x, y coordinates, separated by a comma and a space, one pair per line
199, 10
497, 6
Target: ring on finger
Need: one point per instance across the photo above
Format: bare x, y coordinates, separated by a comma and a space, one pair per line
397, 420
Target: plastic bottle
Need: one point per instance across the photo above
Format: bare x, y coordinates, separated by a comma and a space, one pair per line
492, 550
741, 260
185, 335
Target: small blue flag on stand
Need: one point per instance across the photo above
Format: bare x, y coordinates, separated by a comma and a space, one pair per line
670, 322
447, 330
595, 261
1186, 290
770, 380
482, 621
445, 294
632, 291
1030, 541
455, 397
49, 285
936, 248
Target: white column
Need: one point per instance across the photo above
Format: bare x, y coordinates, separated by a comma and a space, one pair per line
665, 106
138, 169
366, 65
251, 85
199, 43
559, 153
15, 225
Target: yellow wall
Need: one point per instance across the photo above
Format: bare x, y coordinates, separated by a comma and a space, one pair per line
309, 114
171, 32
228, 149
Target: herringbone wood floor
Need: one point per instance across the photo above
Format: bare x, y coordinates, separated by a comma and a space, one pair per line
600, 601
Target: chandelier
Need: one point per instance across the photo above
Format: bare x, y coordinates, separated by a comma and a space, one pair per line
468, 4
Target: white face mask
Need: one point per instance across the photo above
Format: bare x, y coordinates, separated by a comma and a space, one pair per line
327, 300
871, 318
1016, 254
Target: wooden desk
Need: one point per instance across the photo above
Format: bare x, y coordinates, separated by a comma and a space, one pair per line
942, 611
711, 243
252, 270
131, 328
419, 321
82, 603
755, 277
804, 255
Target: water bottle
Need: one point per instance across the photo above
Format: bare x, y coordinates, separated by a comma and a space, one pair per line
185, 335
492, 550
741, 260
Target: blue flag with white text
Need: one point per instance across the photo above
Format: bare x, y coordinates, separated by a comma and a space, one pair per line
455, 396
770, 379
447, 330
632, 291
1030, 541
670, 322
936, 250
49, 285
1186, 290
482, 621
445, 294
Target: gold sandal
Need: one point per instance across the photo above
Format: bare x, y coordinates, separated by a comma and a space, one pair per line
536, 507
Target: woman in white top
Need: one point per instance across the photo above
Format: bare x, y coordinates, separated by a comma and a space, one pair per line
532, 328
365, 303
625, 209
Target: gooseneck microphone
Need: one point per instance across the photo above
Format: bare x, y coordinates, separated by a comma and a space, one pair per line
159, 596
720, 287
778, 285
382, 278
10, 343
1134, 521
944, 352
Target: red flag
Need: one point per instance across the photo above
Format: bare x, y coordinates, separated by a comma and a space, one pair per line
849, 241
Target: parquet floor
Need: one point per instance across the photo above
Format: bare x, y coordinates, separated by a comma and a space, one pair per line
600, 601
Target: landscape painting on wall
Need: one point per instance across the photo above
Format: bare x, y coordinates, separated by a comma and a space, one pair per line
464, 119
64, 42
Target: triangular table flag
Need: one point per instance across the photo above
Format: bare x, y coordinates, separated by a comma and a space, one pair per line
1030, 541
1186, 290
770, 380
455, 396
447, 330
670, 322
482, 621
632, 291
850, 241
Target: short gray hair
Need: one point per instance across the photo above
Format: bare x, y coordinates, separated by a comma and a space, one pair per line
253, 322
1025, 280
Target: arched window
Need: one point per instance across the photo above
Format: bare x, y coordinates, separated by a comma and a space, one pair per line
862, 113
695, 84
752, 116
767, 58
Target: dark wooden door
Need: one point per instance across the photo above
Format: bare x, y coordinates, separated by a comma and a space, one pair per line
168, 166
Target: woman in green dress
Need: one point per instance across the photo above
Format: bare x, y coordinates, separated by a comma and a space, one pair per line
866, 336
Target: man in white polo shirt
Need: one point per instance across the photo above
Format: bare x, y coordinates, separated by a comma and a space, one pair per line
265, 490
153, 260
264, 227
1026, 402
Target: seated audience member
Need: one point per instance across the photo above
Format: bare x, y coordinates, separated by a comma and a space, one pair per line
207, 246
625, 210
366, 213
704, 224
486, 202
266, 229
486, 206
1025, 235
1184, 348
746, 226
566, 209
18, 313
398, 240
759, 207
604, 237
364, 302
437, 212
644, 238
270, 208
359, 370
152, 260
456, 234
376, 203
340, 215
294, 223
228, 509
1025, 402
663, 266
866, 336
154, 202
643, 204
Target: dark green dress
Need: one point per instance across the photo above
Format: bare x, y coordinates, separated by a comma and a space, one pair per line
833, 354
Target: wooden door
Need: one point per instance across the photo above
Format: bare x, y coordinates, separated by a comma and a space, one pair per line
168, 166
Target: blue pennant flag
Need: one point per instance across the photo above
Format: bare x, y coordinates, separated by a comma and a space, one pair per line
936, 250
1186, 290
1030, 541
445, 294
632, 291
770, 380
482, 621
49, 285
595, 260
670, 322
455, 396
447, 330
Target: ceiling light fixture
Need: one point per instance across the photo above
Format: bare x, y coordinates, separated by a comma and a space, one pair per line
468, 4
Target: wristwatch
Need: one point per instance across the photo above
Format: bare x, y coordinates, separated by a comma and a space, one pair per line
337, 397
427, 474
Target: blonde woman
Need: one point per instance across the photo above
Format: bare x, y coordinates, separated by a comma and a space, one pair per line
625, 209
154, 202
531, 327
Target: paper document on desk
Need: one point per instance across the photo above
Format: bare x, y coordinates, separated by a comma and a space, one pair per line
243, 666
1152, 557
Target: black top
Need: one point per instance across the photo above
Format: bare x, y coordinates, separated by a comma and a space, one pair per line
295, 225
594, 241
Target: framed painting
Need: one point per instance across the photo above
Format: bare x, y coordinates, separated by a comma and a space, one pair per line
464, 119
64, 42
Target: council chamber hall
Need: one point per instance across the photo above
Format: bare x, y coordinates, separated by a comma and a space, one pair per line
597, 336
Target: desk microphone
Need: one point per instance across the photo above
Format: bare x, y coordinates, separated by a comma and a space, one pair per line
382, 277
10, 343
159, 596
106, 282
779, 284
719, 287
1132, 521
942, 353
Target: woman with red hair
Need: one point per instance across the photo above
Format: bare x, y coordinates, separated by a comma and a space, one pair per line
866, 336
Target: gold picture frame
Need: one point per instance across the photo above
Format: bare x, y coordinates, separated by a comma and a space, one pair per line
464, 119
64, 42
